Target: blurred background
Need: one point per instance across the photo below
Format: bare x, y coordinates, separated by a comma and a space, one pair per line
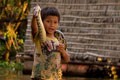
91, 29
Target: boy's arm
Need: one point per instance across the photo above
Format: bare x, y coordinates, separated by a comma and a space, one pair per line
66, 56
62, 46
64, 53
34, 26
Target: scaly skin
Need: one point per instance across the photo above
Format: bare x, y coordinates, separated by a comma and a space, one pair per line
40, 37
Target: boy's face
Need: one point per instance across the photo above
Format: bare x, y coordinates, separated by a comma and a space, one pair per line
51, 24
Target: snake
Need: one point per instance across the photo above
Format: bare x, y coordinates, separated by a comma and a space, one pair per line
40, 36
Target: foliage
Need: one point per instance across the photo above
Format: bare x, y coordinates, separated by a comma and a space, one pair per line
2, 47
13, 22
11, 66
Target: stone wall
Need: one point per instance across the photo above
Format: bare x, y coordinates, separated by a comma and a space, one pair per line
89, 25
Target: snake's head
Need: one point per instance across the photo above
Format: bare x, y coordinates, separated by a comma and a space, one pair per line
36, 10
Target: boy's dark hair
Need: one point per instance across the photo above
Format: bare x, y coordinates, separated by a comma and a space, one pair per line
49, 11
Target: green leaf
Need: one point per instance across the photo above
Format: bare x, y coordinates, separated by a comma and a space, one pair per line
4, 2
11, 2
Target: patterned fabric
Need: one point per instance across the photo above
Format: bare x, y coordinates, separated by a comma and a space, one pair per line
49, 67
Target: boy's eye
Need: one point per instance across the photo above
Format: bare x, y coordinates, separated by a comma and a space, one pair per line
48, 21
55, 22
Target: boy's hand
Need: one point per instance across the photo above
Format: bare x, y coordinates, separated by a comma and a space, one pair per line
36, 9
54, 46
61, 47
62, 50
51, 45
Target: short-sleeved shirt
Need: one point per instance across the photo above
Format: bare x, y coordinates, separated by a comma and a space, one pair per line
48, 65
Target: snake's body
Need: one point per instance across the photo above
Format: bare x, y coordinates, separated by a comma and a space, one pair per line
40, 36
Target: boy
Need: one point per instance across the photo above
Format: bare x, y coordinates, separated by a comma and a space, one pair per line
53, 50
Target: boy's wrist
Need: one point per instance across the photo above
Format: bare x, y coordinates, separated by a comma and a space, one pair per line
34, 16
63, 51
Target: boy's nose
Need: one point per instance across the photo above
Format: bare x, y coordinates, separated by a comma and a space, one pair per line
52, 24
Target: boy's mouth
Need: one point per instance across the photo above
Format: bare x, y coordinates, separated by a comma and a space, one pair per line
51, 29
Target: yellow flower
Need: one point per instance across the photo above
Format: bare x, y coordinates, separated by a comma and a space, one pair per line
115, 76
113, 72
113, 68
20, 41
99, 59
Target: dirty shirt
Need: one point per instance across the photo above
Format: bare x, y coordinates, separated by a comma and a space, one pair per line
49, 67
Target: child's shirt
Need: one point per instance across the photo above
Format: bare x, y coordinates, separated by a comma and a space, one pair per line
48, 65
